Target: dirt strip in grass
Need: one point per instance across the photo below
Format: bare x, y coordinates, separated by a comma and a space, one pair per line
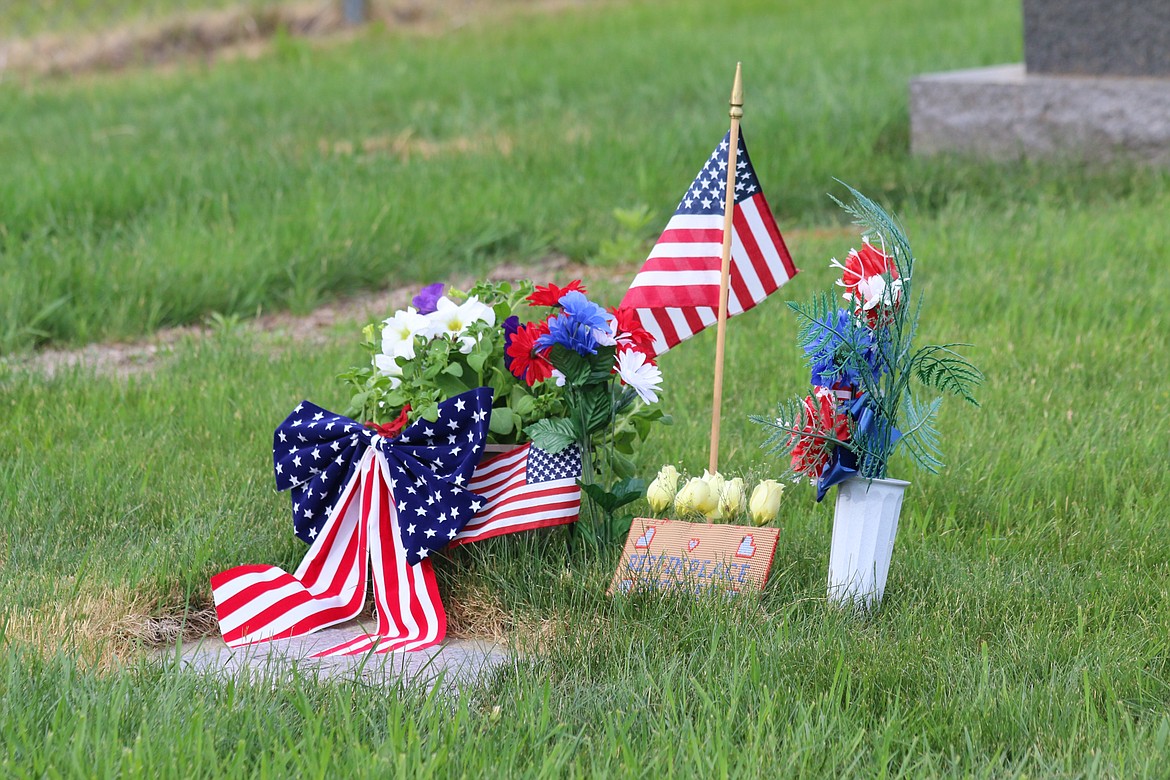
124, 359
246, 31
128, 358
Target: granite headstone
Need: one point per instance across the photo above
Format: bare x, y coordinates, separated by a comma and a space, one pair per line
1096, 86
1097, 37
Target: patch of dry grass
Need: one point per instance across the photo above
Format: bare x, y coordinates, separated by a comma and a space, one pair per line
103, 626
407, 145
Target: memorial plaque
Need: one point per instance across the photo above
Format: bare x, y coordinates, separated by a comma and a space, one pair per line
665, 555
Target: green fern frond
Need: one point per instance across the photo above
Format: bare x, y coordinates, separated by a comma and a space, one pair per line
921, 438
790, 415
873, 218
811, 318
942, 368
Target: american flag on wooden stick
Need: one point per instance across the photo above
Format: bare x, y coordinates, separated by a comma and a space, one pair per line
676, 294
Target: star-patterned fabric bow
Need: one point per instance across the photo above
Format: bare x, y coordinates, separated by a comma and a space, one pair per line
365, 503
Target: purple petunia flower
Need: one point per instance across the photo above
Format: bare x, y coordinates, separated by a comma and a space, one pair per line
428, 298
511, 325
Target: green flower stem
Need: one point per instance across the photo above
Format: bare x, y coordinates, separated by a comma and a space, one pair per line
583, 442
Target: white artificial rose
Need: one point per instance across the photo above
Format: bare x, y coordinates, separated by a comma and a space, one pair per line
732, 499
765, 501
663, 489
716, 482
695, 498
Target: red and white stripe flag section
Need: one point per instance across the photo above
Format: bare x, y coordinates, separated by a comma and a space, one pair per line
676, 294
379, 507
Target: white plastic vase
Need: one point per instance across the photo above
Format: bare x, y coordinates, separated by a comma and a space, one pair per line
864, 526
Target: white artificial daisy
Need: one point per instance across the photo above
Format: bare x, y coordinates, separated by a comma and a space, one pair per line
640, 374
874, 290
607, 336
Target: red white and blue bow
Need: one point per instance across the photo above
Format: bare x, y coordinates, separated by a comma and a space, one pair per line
365, 503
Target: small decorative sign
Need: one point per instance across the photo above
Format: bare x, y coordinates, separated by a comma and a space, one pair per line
697, 557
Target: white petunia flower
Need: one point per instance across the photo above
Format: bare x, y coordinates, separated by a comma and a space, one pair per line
399, 331
451, 319
466, 344
640, 374
387, 365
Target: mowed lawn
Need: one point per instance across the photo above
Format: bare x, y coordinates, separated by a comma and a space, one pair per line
1024, 630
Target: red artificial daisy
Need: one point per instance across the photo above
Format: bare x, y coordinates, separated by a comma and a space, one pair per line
629, 332
820, 423
524, 361
551, 295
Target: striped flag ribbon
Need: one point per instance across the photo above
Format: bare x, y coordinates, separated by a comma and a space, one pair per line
676, 294
261, 603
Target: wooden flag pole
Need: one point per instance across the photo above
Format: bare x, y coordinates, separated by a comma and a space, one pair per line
736, 113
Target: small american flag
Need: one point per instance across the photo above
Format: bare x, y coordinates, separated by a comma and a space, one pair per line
676, 294
524, 488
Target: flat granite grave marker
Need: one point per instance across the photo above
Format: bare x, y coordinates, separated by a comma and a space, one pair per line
1096, 86
455, 664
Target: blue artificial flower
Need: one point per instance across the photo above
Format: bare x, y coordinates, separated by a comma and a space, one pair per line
583, 310
842, 465
565, 330
829, 353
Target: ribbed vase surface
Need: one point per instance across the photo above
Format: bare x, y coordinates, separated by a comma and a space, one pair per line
864, 526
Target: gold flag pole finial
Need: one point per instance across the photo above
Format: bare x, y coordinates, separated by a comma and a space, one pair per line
736, 113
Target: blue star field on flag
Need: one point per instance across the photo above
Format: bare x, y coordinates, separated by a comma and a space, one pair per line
545, 467
708, 189
316, 452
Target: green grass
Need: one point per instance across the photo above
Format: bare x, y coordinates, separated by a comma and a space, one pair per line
160, 194
139, 201
1023, 631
